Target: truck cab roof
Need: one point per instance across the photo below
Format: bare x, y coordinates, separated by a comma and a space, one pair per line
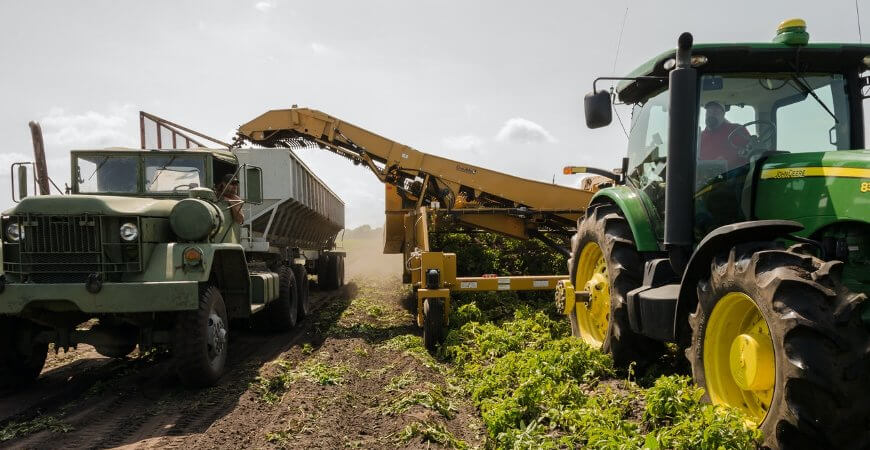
222, 155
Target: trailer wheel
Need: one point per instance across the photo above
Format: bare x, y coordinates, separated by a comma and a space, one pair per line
433, 323
341, 271
605, 261
302, 290
777, 336
334, 272
322, 272
282, 313
21, 357
200, 340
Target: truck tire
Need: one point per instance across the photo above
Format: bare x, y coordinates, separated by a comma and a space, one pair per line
302, 291
200, 340
21, 357
776, 335
322, 272
604, 259
433, 323
341, 271
282, 313
334, 275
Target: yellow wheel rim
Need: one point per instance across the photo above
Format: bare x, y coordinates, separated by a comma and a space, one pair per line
739, 364
593, 317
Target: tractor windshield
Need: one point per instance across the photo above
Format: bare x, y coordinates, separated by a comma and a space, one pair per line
742, 116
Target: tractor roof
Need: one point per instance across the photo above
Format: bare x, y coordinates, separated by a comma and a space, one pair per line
751, 57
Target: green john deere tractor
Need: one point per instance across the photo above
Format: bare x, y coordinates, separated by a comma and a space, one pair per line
739, 229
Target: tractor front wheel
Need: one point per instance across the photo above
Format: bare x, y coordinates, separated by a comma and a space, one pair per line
776, 336
605, 263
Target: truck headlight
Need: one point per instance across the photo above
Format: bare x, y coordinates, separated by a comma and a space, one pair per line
129, 232
14, 232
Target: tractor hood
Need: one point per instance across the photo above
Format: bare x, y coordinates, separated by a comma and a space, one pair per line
815, 189
93, 204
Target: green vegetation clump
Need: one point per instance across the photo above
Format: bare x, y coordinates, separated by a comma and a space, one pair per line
272, 388
431, 432
14, 430
537, 387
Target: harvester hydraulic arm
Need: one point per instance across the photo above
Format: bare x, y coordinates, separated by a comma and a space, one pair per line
478, 197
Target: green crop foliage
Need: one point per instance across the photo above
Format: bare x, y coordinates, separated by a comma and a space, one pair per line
13, 430
431, 432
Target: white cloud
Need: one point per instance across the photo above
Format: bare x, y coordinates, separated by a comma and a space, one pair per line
264, 6
320, 49
468, 142
523, 131
91, 129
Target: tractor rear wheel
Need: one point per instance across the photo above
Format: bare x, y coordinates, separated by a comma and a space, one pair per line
433, 323
777, 336
200, 340
605, 262
21, 357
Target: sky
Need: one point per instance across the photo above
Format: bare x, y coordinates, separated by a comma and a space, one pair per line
494, 83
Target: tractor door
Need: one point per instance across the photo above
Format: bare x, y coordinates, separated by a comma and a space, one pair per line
647, 155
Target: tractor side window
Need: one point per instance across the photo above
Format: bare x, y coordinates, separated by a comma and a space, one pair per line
648, 149
802, 125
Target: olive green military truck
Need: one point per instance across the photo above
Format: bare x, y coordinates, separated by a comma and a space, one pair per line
144, 250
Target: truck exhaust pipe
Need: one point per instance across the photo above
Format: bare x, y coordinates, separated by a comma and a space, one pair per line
682, 140
41, 171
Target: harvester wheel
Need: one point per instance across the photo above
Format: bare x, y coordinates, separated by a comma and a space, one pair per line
605, 262
302, 290
433, 323
777, 336
200, 340
21, 357
282, 313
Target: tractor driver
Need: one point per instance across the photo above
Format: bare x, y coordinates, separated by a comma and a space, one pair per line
722, 139
229, 187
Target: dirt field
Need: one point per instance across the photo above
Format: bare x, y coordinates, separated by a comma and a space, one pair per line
353, 375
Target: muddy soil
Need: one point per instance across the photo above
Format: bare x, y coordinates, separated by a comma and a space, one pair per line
353, 375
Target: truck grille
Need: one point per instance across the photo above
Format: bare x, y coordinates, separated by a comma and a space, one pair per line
55, 248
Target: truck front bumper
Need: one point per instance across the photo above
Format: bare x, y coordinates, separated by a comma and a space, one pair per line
134, 297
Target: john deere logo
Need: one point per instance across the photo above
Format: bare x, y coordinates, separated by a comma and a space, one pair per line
790, 173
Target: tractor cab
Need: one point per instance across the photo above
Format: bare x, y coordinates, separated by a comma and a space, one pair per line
753, 103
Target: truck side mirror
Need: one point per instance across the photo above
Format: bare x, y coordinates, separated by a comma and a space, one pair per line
253, 185
22, 182
598, 110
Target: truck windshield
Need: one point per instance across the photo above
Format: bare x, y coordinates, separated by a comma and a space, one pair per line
173, 173
107, 174
745, 115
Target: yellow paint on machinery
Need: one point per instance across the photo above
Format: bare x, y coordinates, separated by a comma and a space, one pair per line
423, 190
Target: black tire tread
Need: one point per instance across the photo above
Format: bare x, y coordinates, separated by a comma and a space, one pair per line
606, 225
820, 343
189, 341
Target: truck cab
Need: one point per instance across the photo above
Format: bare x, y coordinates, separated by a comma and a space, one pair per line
144, 250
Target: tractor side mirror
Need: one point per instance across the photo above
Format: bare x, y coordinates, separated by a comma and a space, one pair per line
598, 109
253, 185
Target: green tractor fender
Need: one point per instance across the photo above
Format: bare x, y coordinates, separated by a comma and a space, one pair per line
719, 240
630, 202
